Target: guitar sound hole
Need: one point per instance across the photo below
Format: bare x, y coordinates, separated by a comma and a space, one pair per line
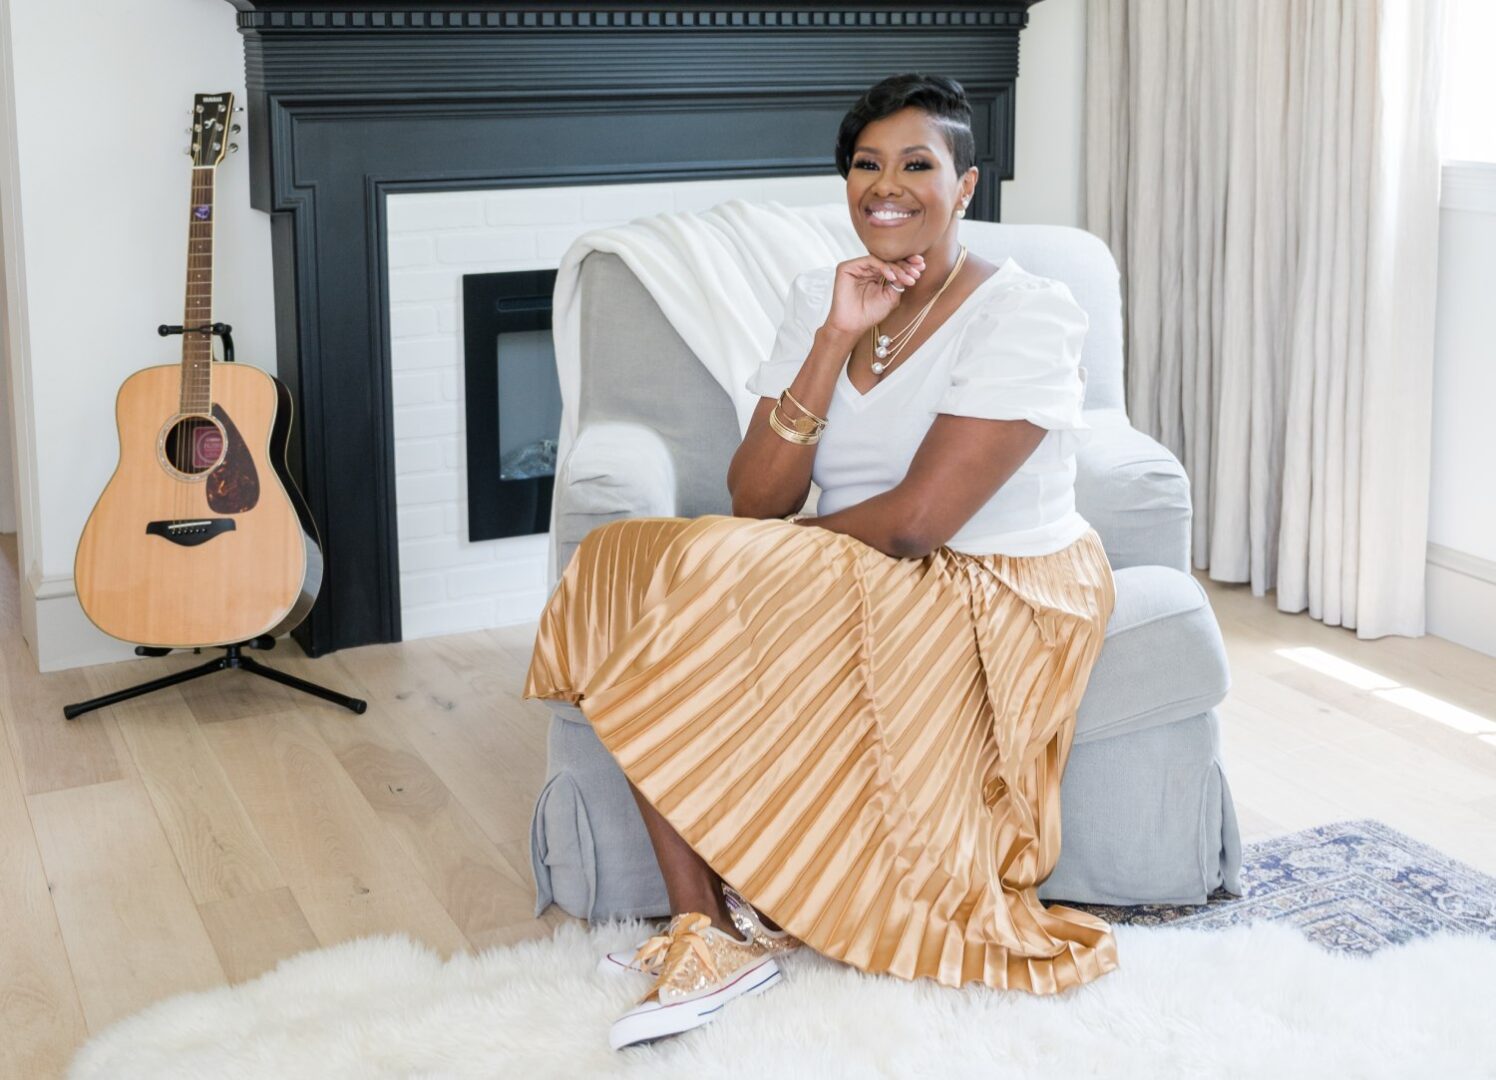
193, 445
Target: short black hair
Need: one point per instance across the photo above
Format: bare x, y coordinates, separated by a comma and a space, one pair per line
943, 98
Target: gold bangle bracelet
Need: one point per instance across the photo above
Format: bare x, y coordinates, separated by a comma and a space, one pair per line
820, 420
802, 427
788, 435
805, 425
791, 436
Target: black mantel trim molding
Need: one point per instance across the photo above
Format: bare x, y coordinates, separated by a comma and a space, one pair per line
658, 15
351, 103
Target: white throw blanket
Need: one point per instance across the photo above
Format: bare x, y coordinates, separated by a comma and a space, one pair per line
719, 275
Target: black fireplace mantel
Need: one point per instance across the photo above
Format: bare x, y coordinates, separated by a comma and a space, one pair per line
350, 103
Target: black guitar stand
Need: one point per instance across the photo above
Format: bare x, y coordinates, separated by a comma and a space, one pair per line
233, 654
234, 658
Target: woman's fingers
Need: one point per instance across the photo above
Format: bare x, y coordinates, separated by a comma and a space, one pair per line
904, 271
909, 269
901, 272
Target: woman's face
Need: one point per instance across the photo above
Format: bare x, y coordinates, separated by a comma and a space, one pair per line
903, 163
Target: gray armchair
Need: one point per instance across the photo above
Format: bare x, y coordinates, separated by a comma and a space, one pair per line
1147, 815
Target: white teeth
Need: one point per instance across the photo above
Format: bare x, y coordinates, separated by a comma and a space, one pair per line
891, 215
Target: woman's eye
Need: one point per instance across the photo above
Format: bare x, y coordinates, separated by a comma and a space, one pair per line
865, 161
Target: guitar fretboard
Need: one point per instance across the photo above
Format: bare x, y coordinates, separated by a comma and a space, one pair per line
197, 348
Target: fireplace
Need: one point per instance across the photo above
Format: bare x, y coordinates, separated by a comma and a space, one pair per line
358, 109
511, 401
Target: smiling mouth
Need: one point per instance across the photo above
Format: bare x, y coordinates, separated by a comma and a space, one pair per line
886, 219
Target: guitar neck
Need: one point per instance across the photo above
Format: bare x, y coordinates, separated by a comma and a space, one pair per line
197, 348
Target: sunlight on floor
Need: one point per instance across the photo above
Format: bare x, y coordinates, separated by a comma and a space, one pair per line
1347, 672
1452, 716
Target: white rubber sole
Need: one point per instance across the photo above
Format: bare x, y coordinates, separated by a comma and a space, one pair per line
653, 1020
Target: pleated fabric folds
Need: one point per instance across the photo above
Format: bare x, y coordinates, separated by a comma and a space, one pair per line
868, 748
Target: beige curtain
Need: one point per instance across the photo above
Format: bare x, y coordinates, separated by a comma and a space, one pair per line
1266, 173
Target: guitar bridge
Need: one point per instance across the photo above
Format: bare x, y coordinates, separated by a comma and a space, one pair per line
192, 532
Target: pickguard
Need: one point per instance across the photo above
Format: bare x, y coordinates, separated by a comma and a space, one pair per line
233, 487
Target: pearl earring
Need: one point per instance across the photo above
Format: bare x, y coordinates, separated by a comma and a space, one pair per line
962, 211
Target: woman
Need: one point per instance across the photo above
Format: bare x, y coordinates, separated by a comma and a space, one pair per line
849, 729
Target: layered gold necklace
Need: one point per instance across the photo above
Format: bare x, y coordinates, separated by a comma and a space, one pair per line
888, 348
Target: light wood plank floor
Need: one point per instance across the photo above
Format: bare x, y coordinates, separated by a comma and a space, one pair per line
196, 836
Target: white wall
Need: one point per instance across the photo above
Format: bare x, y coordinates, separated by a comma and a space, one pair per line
7, 419
1046, 188
1462, 495
98, 207
12, 314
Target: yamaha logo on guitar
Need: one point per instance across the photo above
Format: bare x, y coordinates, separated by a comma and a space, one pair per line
200, 537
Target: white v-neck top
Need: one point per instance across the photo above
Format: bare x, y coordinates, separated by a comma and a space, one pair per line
1010, 351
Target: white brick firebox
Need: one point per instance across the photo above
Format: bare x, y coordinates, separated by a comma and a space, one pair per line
448, 584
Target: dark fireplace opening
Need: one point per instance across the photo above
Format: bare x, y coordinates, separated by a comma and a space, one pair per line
512, 398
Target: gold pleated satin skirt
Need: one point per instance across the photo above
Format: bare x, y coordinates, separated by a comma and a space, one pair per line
868, 748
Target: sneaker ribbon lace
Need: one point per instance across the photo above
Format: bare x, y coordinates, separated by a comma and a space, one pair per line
682, 940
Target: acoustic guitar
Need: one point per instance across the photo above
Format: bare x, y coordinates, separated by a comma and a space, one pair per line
200, 537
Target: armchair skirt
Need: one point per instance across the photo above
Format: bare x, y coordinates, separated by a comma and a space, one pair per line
868, 748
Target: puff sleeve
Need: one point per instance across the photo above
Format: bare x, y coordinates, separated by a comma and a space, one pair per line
804, 307
1018, 358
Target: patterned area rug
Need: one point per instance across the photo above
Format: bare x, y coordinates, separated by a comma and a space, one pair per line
1350, 886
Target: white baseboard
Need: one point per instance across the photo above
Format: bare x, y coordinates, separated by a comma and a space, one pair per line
1461, 599
1461, 605
58, 632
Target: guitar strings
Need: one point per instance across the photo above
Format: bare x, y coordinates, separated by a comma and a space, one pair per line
187, 442
191, 426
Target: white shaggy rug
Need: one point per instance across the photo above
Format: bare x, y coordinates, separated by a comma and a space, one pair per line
1251, 1001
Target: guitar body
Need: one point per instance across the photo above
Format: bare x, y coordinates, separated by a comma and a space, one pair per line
182, 552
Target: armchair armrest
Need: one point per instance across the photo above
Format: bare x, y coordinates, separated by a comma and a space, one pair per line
1135, 493
614, 470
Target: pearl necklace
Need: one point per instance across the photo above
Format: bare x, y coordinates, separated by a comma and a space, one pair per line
883, 344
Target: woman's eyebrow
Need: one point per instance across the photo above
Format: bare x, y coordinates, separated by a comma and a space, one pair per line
906, 150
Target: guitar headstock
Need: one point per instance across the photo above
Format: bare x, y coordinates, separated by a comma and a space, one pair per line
212, 124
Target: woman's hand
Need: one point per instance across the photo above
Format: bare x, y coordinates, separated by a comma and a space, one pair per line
863, 293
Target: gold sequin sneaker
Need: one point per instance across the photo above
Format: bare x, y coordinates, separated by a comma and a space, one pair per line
702, 970
746, 918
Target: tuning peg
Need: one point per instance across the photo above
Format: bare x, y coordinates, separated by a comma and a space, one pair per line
238, 108
233, 148
235, 129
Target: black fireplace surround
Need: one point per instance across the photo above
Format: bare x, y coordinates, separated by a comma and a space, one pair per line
349, 103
